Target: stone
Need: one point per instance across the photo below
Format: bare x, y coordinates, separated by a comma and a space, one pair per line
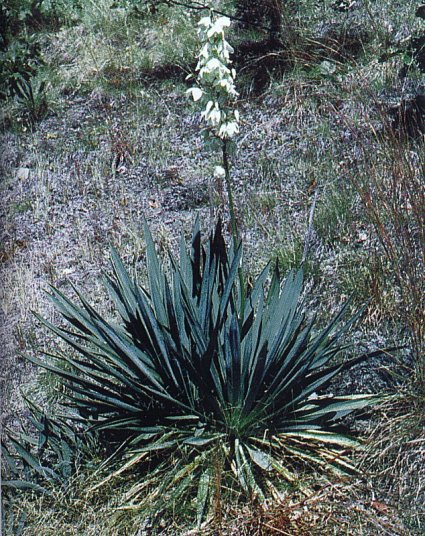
23, 173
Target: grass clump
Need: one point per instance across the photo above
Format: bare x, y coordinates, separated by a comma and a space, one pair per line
394, 456
390, 184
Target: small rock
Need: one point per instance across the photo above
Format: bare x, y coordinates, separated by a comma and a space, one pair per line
23, 173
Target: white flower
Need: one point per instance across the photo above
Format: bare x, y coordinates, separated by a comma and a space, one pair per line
214, 116
215, 78
209, 106
205, 51
228, 130
205, 21
215, 67
218, 26
228, 47
213, 64
224, 50
225, 83
219, 172
228, 86
195, 92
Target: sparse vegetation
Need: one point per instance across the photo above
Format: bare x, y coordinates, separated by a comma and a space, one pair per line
327, 172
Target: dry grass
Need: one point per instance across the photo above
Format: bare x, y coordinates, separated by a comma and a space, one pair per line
335, 508
396, 453
389, 177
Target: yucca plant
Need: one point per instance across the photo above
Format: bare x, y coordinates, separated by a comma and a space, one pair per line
197, 392
31, 96
44, 453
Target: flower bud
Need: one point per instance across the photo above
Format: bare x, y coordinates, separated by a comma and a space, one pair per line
219, 172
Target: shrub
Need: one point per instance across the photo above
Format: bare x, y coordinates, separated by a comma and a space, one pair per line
32, 99
201, 394
47, 459
18, 61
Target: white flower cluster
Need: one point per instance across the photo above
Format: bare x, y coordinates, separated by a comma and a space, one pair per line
216, 81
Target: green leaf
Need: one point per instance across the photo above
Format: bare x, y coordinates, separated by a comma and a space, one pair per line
202, 497
261, 458
25, 485
322, 436
199, 441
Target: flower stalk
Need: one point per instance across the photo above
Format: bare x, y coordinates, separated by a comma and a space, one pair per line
216, 91
228, 181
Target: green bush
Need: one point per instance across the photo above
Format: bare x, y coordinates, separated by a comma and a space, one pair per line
18, 62
32, 99
196, 388
44, 453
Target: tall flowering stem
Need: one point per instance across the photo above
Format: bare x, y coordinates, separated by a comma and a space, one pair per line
228, 181
216, 92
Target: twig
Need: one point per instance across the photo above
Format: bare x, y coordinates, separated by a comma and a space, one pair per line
198, 6
280, 531
309, 228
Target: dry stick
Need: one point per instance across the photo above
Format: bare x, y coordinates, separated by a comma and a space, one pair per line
309, 228
280, 531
